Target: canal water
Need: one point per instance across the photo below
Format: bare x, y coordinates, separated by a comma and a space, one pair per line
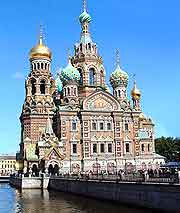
37, 201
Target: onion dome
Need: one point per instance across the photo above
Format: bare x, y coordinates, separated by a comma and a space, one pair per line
84, 17
135, 93
40, 51
119, 77
70, 73
59, 84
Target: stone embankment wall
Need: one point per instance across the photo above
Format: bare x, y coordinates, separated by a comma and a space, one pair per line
30, 182
163, 197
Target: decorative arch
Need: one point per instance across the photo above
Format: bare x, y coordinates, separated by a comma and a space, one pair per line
101, 100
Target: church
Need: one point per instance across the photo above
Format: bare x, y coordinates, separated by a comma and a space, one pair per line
74, 123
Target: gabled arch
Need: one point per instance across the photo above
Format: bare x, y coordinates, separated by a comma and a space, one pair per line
101, 100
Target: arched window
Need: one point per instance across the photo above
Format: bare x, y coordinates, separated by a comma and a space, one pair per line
38, 66
42, 87
68, 91
101, 78
119, 93
33, 86
64, 91
91, 77
81, 76
42, 66
74, 91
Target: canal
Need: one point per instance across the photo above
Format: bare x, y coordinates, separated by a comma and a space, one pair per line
32, 201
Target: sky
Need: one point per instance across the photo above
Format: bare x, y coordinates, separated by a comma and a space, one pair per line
147, 34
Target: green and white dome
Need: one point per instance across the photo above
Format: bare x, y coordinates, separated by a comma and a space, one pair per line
119, 77
59, 84
69, 73
85, 17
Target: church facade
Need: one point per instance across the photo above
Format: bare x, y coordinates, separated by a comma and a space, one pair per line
74, 123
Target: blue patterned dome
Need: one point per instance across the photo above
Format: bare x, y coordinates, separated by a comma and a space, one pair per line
119, 77
70, 73
59, 84
85, 17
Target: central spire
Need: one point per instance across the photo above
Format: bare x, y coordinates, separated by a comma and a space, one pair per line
41, 35
84, 5
85, 19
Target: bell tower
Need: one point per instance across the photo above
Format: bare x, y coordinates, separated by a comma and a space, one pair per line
86, 58
39, 86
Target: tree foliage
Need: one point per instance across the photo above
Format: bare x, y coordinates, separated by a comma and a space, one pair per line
168, 147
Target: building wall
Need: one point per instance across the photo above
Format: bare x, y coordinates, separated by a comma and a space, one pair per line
7, 165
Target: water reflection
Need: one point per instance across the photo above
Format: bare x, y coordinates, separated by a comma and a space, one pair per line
37, 201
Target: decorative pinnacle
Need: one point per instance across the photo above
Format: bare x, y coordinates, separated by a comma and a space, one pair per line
41, 35
117, 58
84, 5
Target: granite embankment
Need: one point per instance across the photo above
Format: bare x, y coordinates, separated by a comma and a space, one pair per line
164, 197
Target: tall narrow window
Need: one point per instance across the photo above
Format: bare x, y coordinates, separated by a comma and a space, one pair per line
42, 87
110, 148
126, 127
68, 91
142, 147
74, 125
94, 148
94, 126
127, 148
33, 86
148, 147
102, 148
101, 78
108, 126
74, 148
119, 93
91, 77
101, 126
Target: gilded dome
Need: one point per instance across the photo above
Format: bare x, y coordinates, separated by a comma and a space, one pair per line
85, 17
40, 51
135, 93
119, 77
70, 73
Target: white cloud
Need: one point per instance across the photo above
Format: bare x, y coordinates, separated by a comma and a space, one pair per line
18, 75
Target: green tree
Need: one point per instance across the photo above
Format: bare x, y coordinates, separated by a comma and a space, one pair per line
168, 147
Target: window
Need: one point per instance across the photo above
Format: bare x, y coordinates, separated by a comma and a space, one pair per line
127, 148
119, 93
102, 148
126, 127
108, 126
33, 86
142, 147
101, 126
148, 147
81, 77
94, 148
74, 125
74, 148
91, 77
101, 78
110, 148
42, 87
94, 126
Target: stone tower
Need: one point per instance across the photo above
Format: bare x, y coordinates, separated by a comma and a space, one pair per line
39, 86
87, 60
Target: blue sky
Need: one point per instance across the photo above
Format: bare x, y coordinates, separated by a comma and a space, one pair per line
147, 33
